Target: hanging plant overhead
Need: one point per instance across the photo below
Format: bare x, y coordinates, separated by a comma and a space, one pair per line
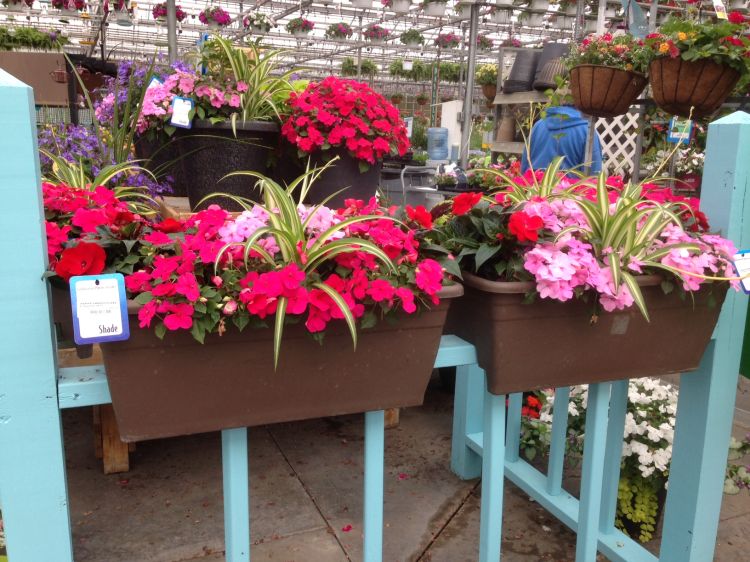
215, 17
339, 30
448, 40
376, 33
159, 12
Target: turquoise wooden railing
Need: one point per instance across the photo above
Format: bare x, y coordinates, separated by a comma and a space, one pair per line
482, 445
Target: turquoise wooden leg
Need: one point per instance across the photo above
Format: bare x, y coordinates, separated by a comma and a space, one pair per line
236, 494
618, 405
558, 441
467, 420
493, 474
32, 464
594, 447
513, 429
374, 455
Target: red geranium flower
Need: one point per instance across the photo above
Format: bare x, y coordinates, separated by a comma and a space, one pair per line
465, 202
83, 259
419, 215
524, 227
736, 17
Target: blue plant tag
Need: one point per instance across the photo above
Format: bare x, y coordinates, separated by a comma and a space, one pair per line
100, 309
182, 112
680, 130
742, 267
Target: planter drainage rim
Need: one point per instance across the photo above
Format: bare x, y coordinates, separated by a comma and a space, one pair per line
264, 126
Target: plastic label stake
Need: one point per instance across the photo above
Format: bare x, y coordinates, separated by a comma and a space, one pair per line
182, 112
100, 311
742, 266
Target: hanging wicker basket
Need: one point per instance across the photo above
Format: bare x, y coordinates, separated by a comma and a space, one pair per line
679, 85
603, 91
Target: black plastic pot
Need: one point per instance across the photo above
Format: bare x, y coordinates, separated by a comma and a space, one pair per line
211, 151
162, 157
343, 174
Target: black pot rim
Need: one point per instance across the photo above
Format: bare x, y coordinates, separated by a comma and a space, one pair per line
262, 126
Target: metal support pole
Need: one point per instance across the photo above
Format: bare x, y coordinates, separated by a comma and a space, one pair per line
589, 153
172, 30
466, 125
579, 28
359, 50
600, 16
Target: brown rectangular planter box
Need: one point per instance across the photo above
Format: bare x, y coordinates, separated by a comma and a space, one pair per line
176, 386
548, 344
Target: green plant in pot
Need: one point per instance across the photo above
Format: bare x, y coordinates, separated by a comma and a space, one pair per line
254, 296
348, 119
234, 125
412, 37
571, 261
697, 64
607, 73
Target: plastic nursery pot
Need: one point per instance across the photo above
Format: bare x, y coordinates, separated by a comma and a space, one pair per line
162, 157
176, 386
603, 91
489, 91
343, 175
211, 151
548, 344
678, 85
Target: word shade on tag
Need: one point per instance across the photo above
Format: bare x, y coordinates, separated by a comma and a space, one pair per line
182, 112
742, 267
100, 310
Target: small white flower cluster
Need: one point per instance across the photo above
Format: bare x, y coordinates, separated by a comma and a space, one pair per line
649, 423
687, 161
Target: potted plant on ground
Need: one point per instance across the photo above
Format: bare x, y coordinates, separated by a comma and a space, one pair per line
255, 295
17, 5
607, 73
345, 118
434, 8
299, 27
447, 40
159, 11
258, 22
422, 98
397, 6
376, 33
215, 17
697, 65
486, 76
339, 30
563, 261
412, 38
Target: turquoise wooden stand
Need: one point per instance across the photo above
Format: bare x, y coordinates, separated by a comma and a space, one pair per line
33, 390
704, 416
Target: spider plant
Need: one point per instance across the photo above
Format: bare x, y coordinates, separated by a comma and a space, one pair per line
298, 246
267, 89
626, 231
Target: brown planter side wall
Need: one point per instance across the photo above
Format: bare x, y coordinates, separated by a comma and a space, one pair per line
678, 85
549, 344
602, 91
178, 386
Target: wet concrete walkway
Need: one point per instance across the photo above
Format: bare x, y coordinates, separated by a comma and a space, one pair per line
306, 497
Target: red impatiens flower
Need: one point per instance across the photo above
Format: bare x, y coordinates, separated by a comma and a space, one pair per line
419, 215
84, 259
524, 227
736, 17
465, 202
168, 226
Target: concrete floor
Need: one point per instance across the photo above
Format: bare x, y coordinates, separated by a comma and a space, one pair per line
306, 504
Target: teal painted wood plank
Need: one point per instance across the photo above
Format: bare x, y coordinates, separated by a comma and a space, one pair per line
558, 440
493, 462
513, 429
617, 546
372, 524
235, 472
82, 386
704, 412
592, 472
467, 418
32, 469
454, 351
618, 405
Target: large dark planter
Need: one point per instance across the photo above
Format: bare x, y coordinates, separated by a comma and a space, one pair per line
678, 85
548, 344
162, 157
176, 386
212, 151
603, 91
343, 174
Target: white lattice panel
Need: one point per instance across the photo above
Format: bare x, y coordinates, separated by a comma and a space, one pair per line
618, 137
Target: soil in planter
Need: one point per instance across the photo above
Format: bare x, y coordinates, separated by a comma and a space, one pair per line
177, 386
212, 152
